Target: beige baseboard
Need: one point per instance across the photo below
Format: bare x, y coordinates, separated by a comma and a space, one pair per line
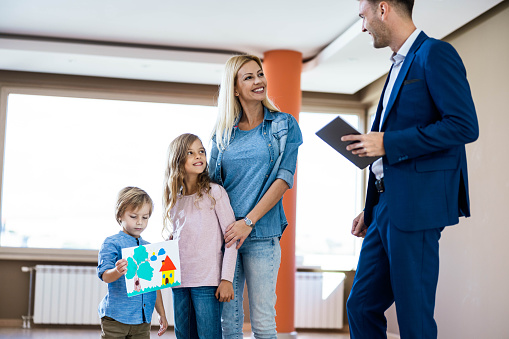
11, 322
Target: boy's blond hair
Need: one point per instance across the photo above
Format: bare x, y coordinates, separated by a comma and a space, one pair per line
131, 198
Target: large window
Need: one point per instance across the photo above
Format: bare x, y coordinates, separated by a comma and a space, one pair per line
66, 158
328, 198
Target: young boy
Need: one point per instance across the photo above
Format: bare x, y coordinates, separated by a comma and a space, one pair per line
123, 316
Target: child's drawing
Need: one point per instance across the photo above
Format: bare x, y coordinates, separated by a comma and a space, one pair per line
152, 267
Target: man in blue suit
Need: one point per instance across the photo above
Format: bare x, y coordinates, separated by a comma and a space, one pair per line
425, 117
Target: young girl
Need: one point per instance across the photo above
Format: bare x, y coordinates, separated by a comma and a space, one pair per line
197, 212
123, 316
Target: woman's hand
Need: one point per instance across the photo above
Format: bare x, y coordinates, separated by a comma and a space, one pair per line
237, 232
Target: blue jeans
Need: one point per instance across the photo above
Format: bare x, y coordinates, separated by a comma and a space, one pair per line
258, 263
197, 312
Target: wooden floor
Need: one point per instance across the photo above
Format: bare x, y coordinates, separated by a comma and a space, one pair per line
58, 333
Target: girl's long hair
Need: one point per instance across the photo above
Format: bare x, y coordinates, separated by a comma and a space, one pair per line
174, 177
228, 104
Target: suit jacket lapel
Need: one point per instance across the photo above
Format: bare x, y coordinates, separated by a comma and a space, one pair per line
402, 75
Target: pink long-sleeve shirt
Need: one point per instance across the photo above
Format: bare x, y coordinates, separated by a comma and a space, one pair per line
199, 226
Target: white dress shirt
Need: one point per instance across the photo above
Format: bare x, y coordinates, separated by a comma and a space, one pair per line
397, 60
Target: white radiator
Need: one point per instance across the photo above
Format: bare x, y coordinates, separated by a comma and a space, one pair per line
71, 295
319, 300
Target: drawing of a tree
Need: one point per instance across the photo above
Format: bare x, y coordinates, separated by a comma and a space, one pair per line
139, 267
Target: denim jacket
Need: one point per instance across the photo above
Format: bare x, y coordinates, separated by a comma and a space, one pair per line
283, 138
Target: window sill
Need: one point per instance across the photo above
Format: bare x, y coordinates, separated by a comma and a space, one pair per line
48, 254
340, 263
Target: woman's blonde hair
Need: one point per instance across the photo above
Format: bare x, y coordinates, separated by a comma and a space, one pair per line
228, 104
131, 199
175, 174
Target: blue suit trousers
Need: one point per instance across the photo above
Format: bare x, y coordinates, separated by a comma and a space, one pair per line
395, 266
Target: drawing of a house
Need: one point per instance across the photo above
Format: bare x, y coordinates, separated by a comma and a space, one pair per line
168, 270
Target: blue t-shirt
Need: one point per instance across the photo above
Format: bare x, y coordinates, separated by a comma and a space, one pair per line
116, 304
245, 166
281, 138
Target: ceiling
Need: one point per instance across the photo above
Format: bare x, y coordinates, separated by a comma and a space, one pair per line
189, 41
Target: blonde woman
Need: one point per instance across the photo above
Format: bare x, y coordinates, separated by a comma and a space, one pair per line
254, 156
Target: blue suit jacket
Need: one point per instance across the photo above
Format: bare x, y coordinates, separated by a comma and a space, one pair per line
429, 118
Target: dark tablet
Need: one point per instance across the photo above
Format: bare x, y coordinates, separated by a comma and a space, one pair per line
332, 133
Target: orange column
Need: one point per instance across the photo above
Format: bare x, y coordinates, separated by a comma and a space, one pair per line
283, 69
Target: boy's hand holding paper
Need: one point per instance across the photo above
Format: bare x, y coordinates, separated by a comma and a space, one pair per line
152, 267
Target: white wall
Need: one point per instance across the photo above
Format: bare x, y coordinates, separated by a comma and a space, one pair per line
473, 289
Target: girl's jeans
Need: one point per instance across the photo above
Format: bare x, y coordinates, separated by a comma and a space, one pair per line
197, 312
